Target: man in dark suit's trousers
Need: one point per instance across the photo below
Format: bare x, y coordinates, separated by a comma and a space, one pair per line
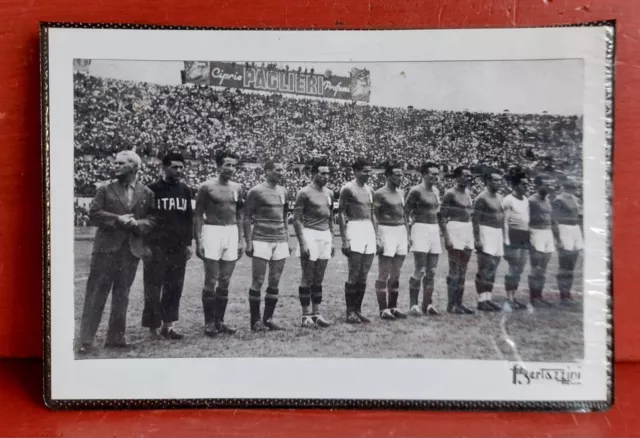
120, 210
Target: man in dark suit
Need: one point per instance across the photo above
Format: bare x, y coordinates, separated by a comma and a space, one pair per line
120, 210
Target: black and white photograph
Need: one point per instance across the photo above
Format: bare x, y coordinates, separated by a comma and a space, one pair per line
288, 214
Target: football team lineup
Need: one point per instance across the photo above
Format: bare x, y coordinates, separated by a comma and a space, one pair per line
456, 246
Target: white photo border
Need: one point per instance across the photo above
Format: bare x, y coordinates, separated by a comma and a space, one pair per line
206, 382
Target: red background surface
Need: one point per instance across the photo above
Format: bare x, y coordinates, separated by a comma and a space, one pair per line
21, 219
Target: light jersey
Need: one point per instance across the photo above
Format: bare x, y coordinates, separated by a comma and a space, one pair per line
388, 206
539, 212
566, 209
356, 201
517, 212
219, 202
487, 208
266, 206
423, 204
313, 207
456, 206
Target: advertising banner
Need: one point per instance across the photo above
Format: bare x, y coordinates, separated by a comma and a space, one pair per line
356, 86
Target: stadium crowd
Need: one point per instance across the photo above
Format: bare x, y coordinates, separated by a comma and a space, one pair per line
112, 115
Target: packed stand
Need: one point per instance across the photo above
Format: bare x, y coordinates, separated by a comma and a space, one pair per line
112, 115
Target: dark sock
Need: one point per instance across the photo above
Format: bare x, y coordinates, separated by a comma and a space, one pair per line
480, 285
459, 291
361, 289
541, 281
316, 294
350, 297
565, 282
221, 298
316, 298
393, 293
452, 292
305, 297
208, 306
511, 283
569, 284
414, 291
535, 287
393, 299
254, 305
381, 294
427, 292
270, 301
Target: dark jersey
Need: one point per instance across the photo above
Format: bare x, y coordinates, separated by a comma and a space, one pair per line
313, 207
423, 204
356, 201
388, 206
488, 210
566, 209
539, 212
267, 206
456, 205
172, 215
219, 203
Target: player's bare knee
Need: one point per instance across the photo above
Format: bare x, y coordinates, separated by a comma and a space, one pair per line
258, 281
223, 283
210, 283
305, 283
274, 280
318, 279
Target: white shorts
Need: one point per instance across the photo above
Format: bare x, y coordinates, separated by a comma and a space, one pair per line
542, 240
461, 235
492, 240
361, 237
394, 240
571, 237
220, 242
318, 242
270, 250
426, 238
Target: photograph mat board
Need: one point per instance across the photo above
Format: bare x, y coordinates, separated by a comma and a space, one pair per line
242, 378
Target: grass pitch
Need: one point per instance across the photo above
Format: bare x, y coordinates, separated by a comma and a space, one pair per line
545, 335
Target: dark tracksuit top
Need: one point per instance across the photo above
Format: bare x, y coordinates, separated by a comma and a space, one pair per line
173, 216
169, 238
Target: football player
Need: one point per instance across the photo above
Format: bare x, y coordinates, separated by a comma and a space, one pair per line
170, 242
567, 215
313, 224
267, 242
517, 237
542, 239
218, 235
488, 232
459, 241
388, 206
423, 206
360, 240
